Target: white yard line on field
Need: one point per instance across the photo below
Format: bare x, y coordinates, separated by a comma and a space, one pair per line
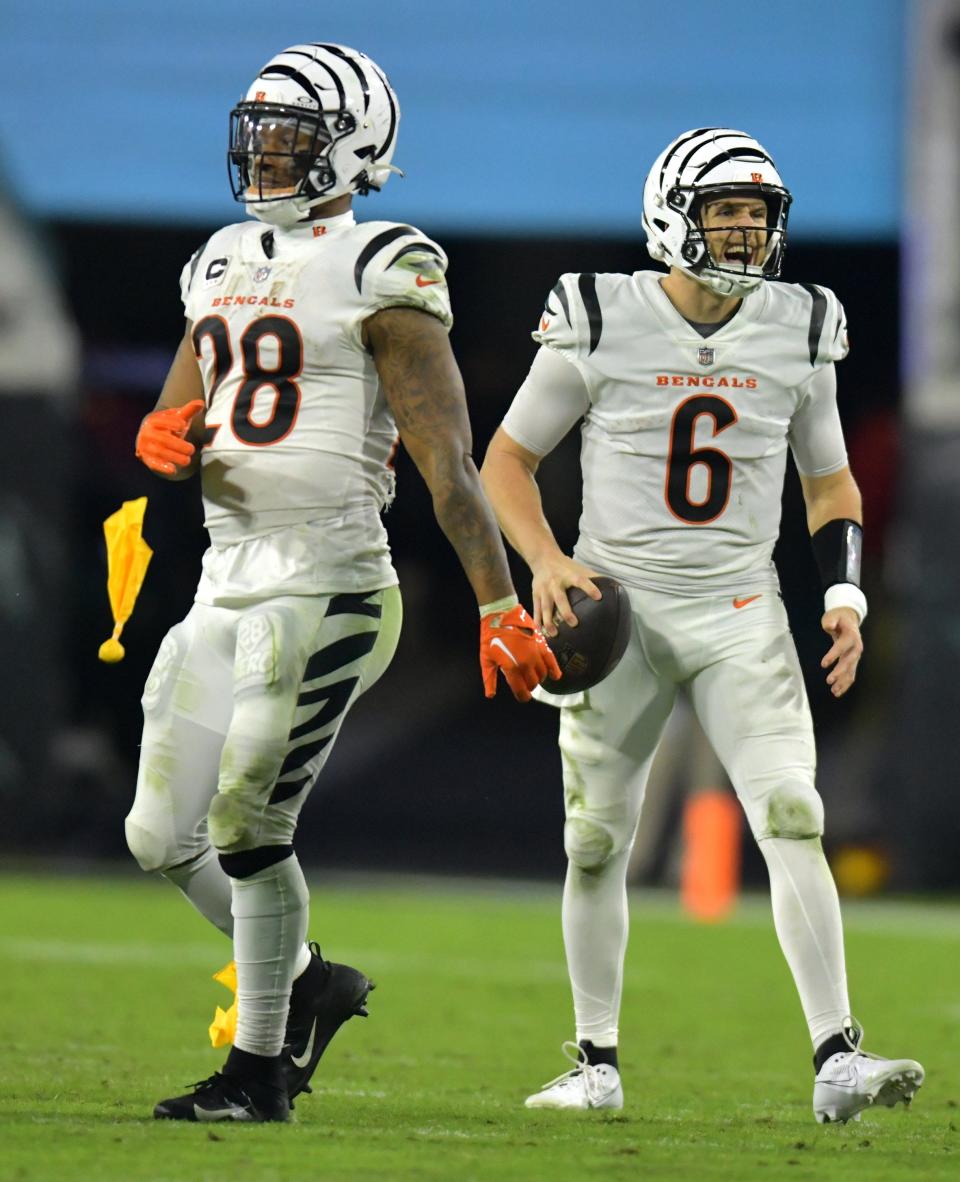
398, 964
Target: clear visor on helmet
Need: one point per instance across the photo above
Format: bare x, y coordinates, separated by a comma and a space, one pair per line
742, 229
272, 149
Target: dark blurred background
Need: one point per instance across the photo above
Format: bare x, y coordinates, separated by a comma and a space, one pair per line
526, 149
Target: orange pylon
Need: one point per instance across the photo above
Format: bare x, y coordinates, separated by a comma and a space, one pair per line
710, 878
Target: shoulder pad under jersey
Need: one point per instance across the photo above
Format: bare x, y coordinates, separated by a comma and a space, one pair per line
399, 266
817, 317
571, 322
214, 253
827, 332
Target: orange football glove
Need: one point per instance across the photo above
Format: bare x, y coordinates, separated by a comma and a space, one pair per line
511, 642
160, 441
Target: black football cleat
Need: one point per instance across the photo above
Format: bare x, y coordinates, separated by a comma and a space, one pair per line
227, 1097
324, 997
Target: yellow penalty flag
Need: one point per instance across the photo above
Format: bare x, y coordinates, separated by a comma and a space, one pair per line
223, 1028
128, 557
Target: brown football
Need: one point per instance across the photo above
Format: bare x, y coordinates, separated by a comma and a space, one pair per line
591, 651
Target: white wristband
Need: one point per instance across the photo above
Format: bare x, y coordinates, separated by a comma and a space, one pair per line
846, 595
498, 605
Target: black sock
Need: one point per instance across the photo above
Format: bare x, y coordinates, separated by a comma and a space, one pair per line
596, 1055
836, 1044
260, 1068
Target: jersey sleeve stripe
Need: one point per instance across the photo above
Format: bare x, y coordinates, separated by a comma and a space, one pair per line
194, 263
561, 293
374, 246
587, 284
415, 248
817, 314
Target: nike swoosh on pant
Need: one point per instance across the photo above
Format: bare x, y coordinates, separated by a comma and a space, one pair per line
304, 1059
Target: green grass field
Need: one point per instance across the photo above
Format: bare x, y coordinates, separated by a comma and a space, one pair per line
106, 995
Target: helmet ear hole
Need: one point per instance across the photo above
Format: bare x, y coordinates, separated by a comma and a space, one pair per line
319, 179
661, 225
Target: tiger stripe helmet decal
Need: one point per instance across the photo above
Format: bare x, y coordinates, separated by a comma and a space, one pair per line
702, 165
319, 121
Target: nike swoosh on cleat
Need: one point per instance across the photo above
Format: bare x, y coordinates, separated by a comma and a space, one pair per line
739, 603
234, 1112
302, 1060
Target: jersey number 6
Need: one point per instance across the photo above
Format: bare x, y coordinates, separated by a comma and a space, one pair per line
684, 457
256, 376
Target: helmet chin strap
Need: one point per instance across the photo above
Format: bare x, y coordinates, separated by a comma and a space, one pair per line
289, 212
727, 285
282, 214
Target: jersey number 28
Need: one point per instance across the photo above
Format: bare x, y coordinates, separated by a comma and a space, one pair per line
255, 375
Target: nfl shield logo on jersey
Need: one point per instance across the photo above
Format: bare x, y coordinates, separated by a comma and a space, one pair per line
705, 355
260, 274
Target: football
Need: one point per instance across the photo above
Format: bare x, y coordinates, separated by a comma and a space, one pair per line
591, 651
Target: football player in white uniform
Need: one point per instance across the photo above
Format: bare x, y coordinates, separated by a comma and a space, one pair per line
690, 387
312, 344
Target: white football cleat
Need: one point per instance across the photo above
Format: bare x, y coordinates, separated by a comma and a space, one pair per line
586, 1086
852, 1080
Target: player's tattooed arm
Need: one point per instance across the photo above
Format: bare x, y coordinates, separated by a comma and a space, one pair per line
169, 437
509, 479
424, 389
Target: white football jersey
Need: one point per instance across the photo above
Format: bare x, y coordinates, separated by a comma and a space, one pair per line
684, 438
299, 435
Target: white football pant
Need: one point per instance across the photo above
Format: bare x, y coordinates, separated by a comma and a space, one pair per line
739, 666
241, 710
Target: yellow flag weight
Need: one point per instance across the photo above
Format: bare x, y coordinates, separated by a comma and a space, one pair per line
128, 557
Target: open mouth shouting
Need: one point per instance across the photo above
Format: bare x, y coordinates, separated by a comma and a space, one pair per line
737, 248
737, 233
739, 254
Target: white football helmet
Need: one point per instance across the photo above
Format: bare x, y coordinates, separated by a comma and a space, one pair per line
319, 121
707, 165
